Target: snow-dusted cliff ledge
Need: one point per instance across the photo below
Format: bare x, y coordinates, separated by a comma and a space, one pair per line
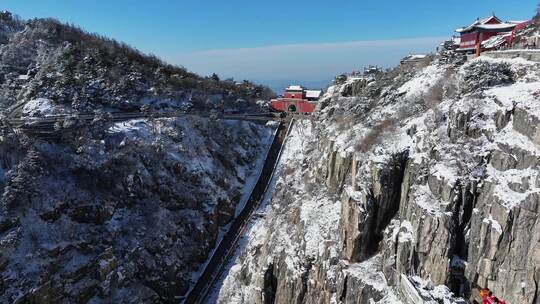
428, 174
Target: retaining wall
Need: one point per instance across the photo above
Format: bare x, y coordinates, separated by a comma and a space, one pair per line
532, 55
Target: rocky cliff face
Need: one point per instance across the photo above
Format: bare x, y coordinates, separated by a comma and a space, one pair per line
109, 212
126, 218
423, 177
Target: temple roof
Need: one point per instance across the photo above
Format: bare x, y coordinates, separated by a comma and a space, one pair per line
295, 88
483, 21
313, 93
501, 27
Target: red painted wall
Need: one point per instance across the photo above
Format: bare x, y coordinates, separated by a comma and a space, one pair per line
283, 105
492, 21
295, 95
305, 107
470, 40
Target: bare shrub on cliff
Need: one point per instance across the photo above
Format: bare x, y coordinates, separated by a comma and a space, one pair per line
434, 97
374, 135
288, 171
346, 121
445, 88
482, 75
309, 186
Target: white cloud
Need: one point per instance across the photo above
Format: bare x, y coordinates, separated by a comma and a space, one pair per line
310, 61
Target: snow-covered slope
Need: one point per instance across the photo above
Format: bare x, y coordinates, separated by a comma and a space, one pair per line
104, 212
124, 218
423, 177
43, 58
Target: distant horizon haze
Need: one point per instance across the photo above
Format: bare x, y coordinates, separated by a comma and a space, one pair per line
300, 63
275, 42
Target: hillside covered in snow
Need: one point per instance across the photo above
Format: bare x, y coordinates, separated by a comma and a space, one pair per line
82, 72
420, 178
114, 212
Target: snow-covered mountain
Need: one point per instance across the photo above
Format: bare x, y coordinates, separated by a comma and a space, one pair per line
422, 181
424, 176
43, 58
106, 212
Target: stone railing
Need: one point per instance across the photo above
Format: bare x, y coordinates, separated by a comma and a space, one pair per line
531, 54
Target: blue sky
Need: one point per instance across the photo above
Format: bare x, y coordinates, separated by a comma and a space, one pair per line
274, 40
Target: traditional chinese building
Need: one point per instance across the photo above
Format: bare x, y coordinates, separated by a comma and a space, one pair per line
485, 34
296, 100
